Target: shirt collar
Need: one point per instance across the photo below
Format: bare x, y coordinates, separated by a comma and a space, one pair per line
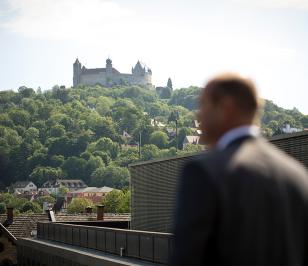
236, 133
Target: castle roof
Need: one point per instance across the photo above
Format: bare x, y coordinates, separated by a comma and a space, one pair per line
97, 70
138, 66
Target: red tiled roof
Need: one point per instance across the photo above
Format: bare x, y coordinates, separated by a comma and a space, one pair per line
23, 224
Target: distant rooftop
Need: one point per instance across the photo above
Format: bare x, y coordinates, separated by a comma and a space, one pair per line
94, 190
21, 184
23, 224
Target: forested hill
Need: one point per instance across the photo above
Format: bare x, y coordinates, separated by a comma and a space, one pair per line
92, 132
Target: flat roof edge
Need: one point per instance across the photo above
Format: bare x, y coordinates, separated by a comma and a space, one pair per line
273, 138
289, 135
165, 159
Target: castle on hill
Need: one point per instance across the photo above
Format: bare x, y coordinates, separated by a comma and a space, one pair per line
109, 76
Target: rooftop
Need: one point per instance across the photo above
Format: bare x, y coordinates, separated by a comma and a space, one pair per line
97, 70
21, 184
192, 139
23, 224
83, 217
94, 190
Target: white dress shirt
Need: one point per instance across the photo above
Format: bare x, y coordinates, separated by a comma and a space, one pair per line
237, 133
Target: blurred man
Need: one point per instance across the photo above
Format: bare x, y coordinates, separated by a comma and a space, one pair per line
244, 202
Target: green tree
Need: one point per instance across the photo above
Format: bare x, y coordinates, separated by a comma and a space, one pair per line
17, 202
103, 155
6, 198
159, 138
93, 163
41, 132
78, 205
191, 148
127, 114
125, 202
56, 161
149, 152
42, 174
42, 199
2, 208
183, 132
107, 145
26, 92
63, 191
110, 176
60, 93
30, 206
128, 156
103, 105
74, 167
186, 97
57, 131
117, 201
166, 93
19, 117
39, 158
112, 201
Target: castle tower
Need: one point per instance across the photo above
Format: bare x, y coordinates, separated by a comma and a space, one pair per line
108, 66
138, 70
76, 72
169, 84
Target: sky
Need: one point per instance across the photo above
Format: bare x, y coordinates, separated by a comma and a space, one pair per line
189, 41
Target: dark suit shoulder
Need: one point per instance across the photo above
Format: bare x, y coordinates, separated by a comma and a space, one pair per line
258, 157
259, 153
255, 155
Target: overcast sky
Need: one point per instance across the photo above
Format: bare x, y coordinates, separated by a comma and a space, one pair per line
188, 41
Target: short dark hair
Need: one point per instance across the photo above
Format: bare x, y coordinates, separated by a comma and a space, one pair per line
242, 90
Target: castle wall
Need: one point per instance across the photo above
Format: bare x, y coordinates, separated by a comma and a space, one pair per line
109, 79
93, 79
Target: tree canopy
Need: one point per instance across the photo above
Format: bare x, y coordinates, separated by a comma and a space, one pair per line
93, 133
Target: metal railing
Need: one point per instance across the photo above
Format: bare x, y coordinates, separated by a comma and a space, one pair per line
149, 246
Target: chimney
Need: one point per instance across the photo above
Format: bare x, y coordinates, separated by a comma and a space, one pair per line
89, 210
51, 216
10, 215
100, 212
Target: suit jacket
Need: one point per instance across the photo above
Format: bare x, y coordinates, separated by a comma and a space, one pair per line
245, 205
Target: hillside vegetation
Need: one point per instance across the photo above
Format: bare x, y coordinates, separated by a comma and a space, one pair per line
92, 133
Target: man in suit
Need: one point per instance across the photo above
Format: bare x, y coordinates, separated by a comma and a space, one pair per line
244, 202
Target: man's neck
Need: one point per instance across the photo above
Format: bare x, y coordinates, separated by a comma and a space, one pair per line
236, 133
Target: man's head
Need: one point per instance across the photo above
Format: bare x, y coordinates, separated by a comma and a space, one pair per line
227, 101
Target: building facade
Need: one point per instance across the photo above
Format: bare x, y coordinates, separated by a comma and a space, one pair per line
24, 187
95, 194
154, 183
53, 186
109, 76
